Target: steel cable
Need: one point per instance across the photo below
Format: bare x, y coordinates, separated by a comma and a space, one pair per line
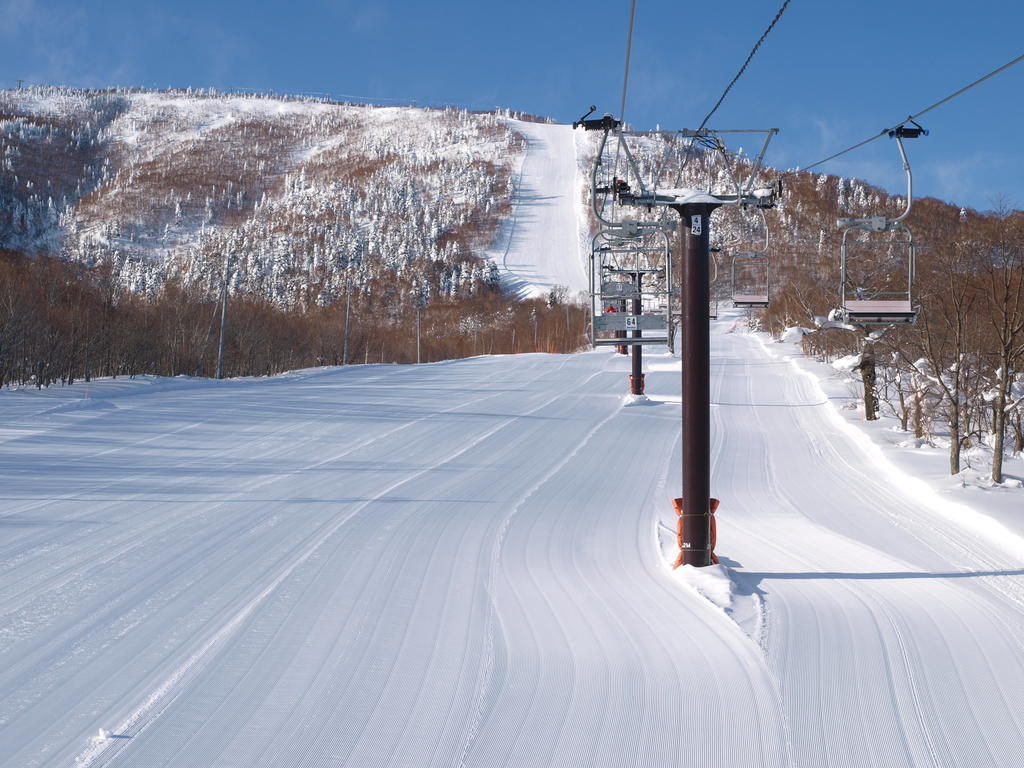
885, 131
746, 63
739, 74
625, 88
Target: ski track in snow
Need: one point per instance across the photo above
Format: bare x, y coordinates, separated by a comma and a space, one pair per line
452, 564
896, 636
539, 247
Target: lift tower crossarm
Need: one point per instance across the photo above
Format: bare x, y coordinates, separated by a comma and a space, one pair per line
604, 123
673, 198
715, 133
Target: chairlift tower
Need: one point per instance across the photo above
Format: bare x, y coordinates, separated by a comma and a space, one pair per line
694, 208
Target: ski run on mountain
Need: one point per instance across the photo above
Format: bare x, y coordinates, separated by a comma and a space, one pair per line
469, 562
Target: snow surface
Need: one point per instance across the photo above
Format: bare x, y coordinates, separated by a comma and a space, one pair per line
459, 563
971, 495
538, 248
467, 564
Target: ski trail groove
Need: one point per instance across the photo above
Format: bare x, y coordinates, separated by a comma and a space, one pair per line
147, 712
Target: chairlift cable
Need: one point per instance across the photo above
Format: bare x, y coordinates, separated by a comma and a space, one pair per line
746, 63
629, 51
886, 131
625, 86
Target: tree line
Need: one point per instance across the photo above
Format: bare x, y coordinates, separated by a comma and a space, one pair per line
959, 369
61, 322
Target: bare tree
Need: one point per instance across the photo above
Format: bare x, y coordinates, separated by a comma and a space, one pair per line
1002, 274
943, 336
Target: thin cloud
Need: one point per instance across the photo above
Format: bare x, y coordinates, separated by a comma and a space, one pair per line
361, 18
369, 19
15, 14
971, 177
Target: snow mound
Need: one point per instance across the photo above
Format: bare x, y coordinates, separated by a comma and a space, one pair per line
720, 585
636, 400
848, 363
794, 334
724, 588
975, 479
101, 737
712, 583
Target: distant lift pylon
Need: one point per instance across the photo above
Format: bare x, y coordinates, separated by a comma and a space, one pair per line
630, 265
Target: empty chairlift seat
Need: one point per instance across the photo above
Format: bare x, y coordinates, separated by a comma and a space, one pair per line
750, 301
880, 312
887, 277
750, 280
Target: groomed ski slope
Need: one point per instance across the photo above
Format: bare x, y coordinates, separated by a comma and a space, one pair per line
457, 564
462, 564
538, 248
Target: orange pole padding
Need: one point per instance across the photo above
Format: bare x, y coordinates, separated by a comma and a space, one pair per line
677, 505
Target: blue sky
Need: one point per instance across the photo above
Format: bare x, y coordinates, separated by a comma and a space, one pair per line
831, 73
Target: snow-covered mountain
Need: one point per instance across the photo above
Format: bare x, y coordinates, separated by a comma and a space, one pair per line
305, 203
302, 197
464, 563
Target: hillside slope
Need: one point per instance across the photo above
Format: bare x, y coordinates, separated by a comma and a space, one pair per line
300, 198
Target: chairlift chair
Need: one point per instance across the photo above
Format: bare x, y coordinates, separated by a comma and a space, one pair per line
630, 265
878, 302
750, 283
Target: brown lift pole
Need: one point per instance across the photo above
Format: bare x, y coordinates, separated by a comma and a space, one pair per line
695, 507
636, 379
695, 541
